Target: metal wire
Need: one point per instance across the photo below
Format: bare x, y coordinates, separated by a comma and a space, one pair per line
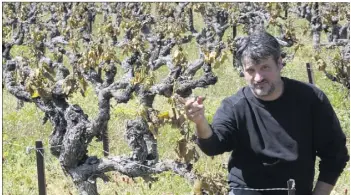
265, 189
29, 149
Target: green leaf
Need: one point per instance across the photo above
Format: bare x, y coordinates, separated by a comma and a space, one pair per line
35, 94
224, 57
44, 92
212, 56
216, 64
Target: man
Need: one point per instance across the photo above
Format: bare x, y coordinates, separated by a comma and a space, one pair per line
275, 127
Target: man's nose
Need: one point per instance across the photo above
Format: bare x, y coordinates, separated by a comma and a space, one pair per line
258, 77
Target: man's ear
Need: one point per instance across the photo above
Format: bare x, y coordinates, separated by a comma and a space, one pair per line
280, 63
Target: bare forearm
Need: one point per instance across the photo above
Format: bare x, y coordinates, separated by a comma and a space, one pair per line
203, 129
322, 188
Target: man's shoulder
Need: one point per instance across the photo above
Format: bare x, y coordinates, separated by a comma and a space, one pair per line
236, 99
298, 83
303, 88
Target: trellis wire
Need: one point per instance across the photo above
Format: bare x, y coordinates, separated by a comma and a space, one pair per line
290, 183
40, 152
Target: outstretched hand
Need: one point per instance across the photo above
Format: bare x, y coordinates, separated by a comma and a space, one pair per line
194, 108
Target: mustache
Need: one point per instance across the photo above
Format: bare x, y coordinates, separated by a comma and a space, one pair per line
262, 82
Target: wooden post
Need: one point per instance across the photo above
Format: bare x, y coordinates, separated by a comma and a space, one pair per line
105, 142
291, 187
191, 22
309, 73
234, 52
40, 167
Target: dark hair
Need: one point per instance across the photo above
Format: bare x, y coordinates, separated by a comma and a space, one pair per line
257, 46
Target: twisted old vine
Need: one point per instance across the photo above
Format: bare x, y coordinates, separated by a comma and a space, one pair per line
136, 41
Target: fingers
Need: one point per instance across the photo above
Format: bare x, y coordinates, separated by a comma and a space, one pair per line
189, 103
195, 115
181, 100
200, 99
186, 102
195, 109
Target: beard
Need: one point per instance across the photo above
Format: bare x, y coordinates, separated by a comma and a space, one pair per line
263, 88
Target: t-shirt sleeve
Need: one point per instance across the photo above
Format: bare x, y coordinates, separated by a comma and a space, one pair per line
329, 141
223, 128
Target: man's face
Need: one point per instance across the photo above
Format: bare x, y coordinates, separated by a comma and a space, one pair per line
263, 78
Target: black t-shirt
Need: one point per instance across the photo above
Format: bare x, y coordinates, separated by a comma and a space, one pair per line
274, 141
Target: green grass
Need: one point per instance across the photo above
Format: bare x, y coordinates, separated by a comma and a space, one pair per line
21, 128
